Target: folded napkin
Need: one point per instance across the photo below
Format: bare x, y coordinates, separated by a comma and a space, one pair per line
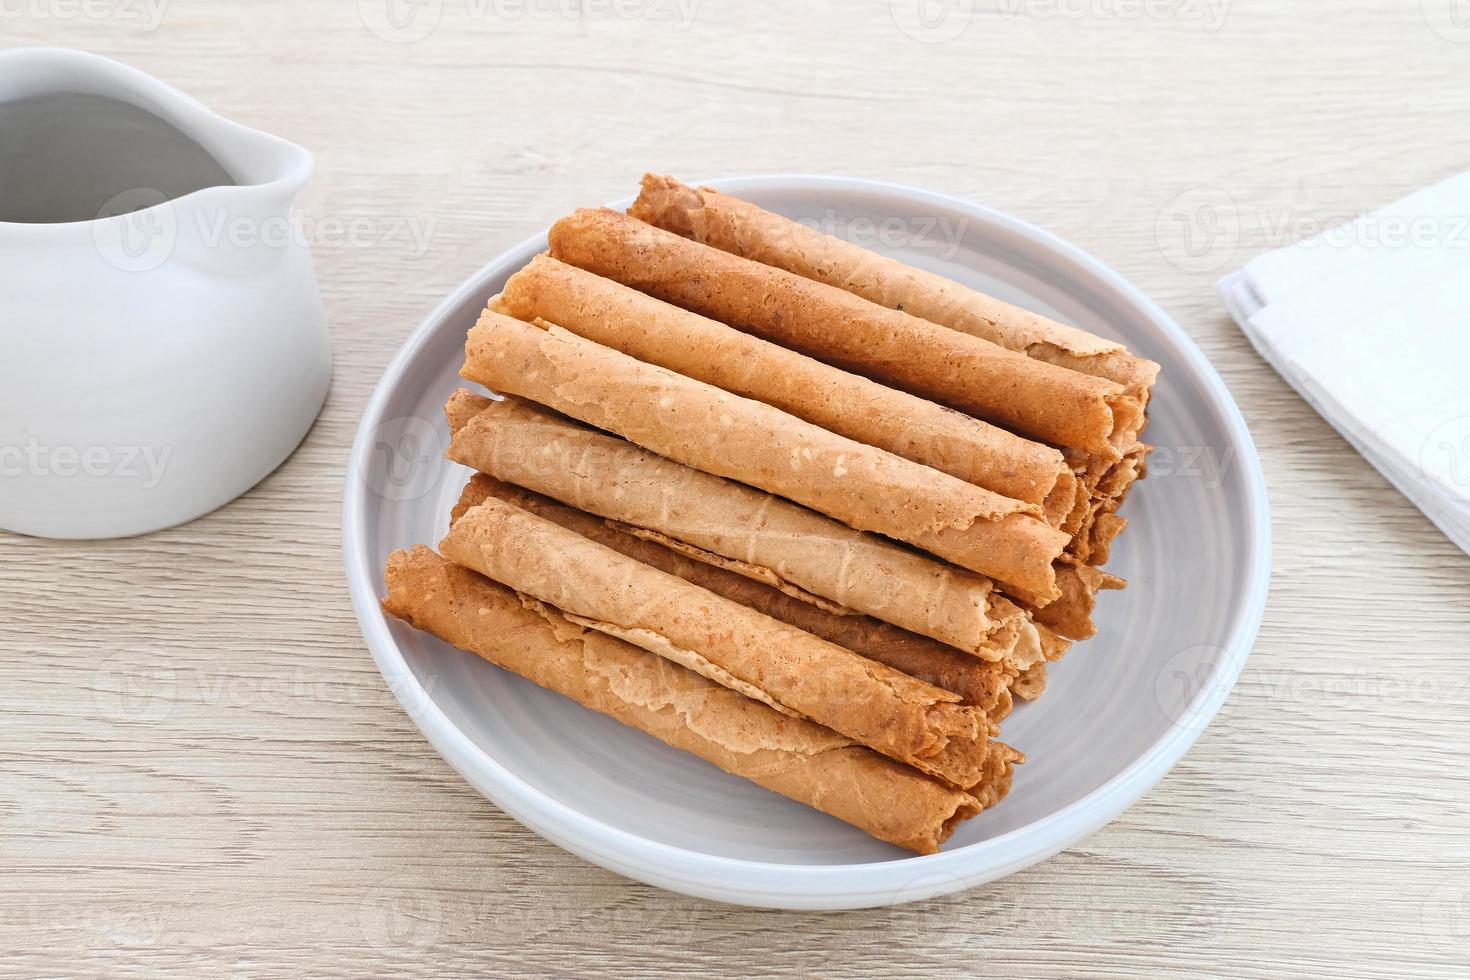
1370, 323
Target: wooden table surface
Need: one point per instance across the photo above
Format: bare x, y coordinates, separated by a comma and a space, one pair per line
201, 771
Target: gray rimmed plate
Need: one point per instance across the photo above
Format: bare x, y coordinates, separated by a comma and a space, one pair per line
1120, 710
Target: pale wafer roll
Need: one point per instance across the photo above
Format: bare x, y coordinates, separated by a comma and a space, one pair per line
712, 430
850, 405
978, 682
1028, 396
1032, 681
760, 536
779, 665
744, 229
790, 756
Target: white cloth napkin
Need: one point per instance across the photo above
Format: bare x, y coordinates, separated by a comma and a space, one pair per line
1370, 323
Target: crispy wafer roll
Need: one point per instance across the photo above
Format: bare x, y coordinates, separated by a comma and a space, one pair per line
1031, 684
999, 768
1032, 681
760, 536
796, 758
1071, 615
659, 333
1096, 546
978, 682
784, 667
1104, 484
720, 433
1053, 645
743, 229
1031, 397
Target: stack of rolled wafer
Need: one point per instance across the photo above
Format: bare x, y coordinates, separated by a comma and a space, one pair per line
805, 511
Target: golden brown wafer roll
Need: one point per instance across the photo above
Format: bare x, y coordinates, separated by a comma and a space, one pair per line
760, 536
1108, 479
978, 682
741, 228
784, 667
1101, 533
741, 439
1053, 645
656, 332
1104, 483
1071, 615
796, 758
1031, 397
999, 768
1031, 684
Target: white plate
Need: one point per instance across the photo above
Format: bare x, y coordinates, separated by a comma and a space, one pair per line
1119, 712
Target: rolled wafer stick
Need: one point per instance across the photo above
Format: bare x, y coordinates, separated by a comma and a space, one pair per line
1028, 396
1071, 615
1053, 644
1106, 526
743, 229
1032, 681
1000, 766
1094, 543
1104, 484
796, 758
656, 332
741, 439
1108, 479
762, 658
760, 536
1031, 684
978, 682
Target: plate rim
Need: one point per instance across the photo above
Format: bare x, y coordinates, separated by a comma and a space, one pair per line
794, 886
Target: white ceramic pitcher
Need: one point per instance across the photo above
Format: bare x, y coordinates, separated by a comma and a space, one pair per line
162, 343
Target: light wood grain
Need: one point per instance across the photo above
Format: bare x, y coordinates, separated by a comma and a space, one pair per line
201, 771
